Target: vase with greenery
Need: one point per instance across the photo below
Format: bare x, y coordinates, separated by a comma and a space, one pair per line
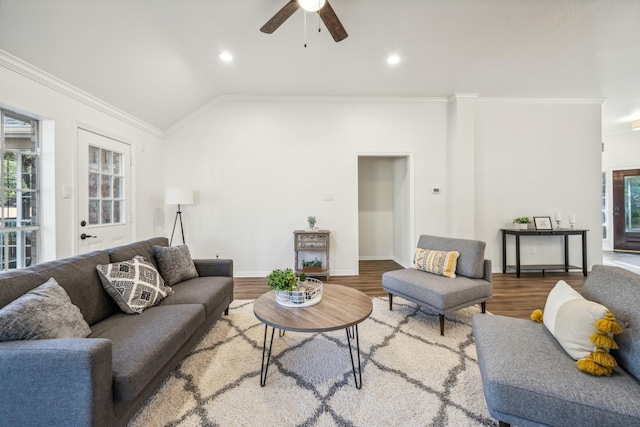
522, 222
312, 221
282, 280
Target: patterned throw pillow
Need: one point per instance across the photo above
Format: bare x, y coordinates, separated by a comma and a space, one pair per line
175, 263
134, 284
437, 262
42, 313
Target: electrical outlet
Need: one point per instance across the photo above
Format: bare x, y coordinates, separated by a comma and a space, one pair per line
532, 250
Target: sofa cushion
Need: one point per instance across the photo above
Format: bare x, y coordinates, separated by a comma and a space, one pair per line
134, 284
143, 344
442, 293
79, 278
42, 313
210, 291
437, 262
528, 375
143, 248
471, 259
175, 263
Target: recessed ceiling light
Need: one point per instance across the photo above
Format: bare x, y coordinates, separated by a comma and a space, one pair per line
226, 56
393, 59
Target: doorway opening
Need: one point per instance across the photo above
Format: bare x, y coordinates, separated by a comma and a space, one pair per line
385, 200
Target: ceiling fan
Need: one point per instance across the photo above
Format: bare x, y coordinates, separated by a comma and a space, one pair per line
323, 8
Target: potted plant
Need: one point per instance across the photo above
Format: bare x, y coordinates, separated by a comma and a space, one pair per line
282, 280
312, 222
522, 222
314, 266
302, 279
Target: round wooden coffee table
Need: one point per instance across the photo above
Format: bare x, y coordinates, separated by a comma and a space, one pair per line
341, 307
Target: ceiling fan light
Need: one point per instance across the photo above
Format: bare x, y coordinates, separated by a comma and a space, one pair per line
311, 5
635, 125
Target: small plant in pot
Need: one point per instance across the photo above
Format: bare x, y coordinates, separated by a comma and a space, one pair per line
282, 280
314, 266
302, 279
312, 222
522, 222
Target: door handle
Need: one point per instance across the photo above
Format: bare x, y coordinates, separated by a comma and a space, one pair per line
86, 236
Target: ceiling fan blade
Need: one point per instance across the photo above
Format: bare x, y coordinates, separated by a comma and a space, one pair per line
282, 15
332, 22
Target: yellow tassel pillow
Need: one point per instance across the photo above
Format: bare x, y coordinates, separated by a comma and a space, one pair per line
583, 328
442, 263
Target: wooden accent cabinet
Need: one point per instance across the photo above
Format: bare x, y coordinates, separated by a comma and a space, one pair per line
309, 245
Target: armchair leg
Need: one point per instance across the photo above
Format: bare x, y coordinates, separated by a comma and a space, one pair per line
483, 306
226, 311
441, 324
503, 424
390, 301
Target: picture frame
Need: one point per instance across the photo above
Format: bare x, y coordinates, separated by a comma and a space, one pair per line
542, 222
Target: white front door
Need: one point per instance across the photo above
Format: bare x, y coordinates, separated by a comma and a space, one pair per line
104, 196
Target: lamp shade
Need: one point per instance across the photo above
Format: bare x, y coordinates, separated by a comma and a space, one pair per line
178, 196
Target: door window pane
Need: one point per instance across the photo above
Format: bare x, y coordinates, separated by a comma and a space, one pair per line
632, 203
94, 155
106, 204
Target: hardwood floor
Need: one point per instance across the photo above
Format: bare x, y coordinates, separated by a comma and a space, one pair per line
512, 296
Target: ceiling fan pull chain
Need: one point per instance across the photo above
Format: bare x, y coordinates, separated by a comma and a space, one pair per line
305, 28
319, 29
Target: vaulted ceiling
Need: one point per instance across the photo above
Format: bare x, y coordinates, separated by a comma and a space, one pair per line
158, 59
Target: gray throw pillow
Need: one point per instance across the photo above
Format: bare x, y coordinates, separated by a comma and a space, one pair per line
175, 263
42, 313
134, 284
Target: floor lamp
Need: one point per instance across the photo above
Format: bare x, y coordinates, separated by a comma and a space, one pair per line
178, 196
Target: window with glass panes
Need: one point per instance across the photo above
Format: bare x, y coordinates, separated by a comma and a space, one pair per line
19, 191
106, 179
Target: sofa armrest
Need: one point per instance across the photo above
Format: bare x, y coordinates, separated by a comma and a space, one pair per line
65, 381
486, 275
214, 267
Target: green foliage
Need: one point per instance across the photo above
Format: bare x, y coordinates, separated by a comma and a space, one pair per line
315, 263
522, 220
282, 280
302, 277
311, 220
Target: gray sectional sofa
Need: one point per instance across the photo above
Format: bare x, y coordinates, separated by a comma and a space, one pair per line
529, 380
102, 380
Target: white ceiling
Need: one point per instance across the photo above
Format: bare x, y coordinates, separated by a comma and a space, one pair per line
158, 59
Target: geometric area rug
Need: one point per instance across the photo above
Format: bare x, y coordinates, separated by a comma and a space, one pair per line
411, 376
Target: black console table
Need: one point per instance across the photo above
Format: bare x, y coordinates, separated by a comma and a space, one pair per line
566, 232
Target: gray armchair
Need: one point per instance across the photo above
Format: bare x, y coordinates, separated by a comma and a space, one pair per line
472, 284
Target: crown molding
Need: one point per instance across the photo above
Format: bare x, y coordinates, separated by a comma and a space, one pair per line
37, 75
596, 101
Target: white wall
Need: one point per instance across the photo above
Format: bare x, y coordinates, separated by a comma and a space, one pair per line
260, 166
620, 152
534, 159
62, 108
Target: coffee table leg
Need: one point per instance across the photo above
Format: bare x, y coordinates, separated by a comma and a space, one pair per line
265, 366
357, 378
